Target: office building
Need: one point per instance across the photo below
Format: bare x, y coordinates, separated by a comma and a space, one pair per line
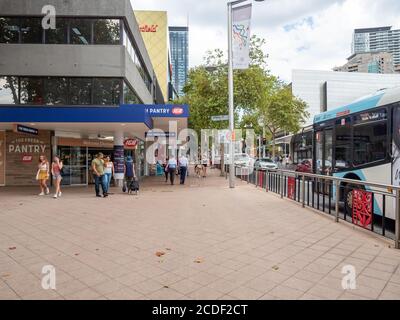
380, 62
382, 39
153, 26
326, 90
179, 47
85, 86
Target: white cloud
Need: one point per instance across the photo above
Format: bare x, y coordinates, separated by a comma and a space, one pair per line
317, 36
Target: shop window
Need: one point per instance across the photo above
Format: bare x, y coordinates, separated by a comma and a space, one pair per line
31, 91
9, 90
130, 96
343, 143
80, 91
107, 31
107, 91
59, 34
31, 30
81, 31
56, 91
9, 30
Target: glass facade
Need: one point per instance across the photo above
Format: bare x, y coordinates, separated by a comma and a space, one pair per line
179, 43
133, 53
74, 31
377, 40
60, 91
130, 97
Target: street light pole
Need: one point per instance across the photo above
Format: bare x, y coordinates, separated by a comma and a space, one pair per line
230, 90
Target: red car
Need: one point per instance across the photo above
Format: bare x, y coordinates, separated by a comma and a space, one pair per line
304, 166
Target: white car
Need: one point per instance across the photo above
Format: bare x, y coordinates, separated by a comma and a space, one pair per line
243, 160
265, 164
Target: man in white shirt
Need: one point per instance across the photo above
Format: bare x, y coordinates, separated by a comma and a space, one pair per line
172, 168
183, 166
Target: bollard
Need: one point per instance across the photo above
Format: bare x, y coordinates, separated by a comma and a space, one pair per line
337, 198
397, 240
256, 178
282, 182
267, 180
303, 192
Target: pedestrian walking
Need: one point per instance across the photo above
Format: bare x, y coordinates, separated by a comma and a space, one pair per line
42, 175
165, 166
183, 166
172, 164
56, 167
99, 176
108, 171
129, 171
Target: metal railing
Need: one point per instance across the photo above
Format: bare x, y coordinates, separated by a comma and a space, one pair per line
377, 208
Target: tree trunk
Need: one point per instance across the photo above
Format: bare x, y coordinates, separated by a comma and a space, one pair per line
273, 145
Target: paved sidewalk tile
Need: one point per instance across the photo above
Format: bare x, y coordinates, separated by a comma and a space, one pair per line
198, 241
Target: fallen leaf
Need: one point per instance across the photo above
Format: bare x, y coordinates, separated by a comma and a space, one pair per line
5, 275
166, 287
168, 249
160, 253
199, 260
77, 254
12, 248
275, 267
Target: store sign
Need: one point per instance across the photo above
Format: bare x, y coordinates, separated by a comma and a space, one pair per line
148, 28
25, 129
177, 111
154, 134
131, 144
91, 143
164, 111
27, 158
2, 157
27, 145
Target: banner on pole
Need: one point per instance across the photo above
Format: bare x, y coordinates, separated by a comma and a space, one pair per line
241, 17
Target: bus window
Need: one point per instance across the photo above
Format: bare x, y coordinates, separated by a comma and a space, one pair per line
370, 137
318, 151
343, 144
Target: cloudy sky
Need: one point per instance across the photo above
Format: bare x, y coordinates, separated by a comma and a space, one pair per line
300, 34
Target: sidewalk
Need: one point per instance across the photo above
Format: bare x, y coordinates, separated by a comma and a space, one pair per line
198, 241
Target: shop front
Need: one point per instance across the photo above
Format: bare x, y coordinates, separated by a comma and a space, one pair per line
77, 156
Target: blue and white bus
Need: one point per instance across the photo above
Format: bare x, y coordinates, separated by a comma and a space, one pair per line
360, 141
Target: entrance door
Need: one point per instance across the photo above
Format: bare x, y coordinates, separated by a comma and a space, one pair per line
74, 169
323, 151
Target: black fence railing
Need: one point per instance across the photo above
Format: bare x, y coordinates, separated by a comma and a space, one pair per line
371, 206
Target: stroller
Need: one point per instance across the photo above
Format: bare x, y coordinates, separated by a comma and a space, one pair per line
132, 185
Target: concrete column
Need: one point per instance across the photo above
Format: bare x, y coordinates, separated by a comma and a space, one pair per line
119, 159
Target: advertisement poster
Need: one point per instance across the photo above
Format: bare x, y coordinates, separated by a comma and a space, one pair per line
2, 157
119, 160
396, 147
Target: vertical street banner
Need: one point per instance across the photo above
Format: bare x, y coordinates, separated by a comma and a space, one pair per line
241, 17
2, 157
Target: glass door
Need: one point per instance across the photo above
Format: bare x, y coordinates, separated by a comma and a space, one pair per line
74, 169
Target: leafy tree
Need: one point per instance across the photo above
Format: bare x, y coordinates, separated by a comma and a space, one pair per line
281, 111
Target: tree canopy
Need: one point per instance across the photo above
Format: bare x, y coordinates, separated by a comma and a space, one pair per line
260, 98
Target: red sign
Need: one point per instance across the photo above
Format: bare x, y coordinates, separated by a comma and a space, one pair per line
362, 208
131, 144
343, 113
177, 111
148, 28
27, 158
291, 187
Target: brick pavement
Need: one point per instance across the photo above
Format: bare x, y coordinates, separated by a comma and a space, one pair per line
213, 243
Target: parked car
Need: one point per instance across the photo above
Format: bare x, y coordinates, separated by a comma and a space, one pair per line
243, 160
265, 164
304, 166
